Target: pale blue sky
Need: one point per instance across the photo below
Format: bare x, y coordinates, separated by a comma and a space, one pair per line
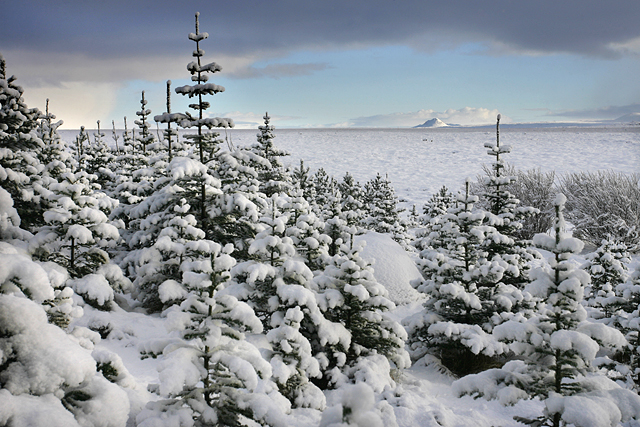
372, 64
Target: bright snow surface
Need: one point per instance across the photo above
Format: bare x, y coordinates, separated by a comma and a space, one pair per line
418, 162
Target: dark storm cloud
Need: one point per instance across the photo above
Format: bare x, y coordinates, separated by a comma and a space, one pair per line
130, 28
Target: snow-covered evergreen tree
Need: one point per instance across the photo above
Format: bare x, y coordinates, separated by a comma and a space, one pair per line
438, 205
212, 375
19, 145
145, 138
273, 176
383, 214
78, 232
351, 296
504, 244
302, 180
560, 343
307, 232
460, 311
607, 267
46, 377
352, 193
206, 143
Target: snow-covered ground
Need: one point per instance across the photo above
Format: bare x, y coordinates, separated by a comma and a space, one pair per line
418, 162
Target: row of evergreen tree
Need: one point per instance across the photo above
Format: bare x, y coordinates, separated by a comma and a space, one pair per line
228, 242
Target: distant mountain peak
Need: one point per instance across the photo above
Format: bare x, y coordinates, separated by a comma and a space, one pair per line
433, 123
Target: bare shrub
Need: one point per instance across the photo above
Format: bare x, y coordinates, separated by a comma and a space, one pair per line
602, 204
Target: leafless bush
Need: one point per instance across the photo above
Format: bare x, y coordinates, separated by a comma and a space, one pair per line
533, 188
602, 204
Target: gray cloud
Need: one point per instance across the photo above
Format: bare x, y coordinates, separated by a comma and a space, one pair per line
255, 27
277, 71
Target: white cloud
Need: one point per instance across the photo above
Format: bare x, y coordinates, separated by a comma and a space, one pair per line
465, 116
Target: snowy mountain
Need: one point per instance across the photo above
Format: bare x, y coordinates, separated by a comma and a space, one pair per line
433, 123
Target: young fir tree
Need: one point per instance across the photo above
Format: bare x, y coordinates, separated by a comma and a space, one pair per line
145, 138
149, 263
607, 267
170, 134
279, 288
306, 231
504, 244
459, 313
383, 214
55, 155
19, 145
438, 205
352, 204
234, 214
302, 180
273, 176
99, 161
78, 232
212, 374
351, 296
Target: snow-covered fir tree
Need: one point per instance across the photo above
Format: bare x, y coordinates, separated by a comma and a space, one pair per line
145, 138
55, 155
170, 134
273, 176
306, 231
302, 180
504, 244
382, 213
99, 161
19, 145
438, 205
460, 310
206, 143
78, 232
558, 346
607, 267
351, 296
352, 193
212, 375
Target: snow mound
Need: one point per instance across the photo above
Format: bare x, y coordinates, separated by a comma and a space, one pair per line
392, 266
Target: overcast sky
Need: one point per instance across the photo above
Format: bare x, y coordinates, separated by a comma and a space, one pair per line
333, 62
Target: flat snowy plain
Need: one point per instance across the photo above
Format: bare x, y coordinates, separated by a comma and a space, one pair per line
418, 162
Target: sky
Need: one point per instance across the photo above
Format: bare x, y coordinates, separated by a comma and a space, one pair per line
331, 63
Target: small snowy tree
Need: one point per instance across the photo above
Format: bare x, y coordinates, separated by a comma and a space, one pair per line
383, 214
78, 232
273, 176
351, 296
607, 267
212, 375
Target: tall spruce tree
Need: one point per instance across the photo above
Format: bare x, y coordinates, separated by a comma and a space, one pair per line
206, 143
